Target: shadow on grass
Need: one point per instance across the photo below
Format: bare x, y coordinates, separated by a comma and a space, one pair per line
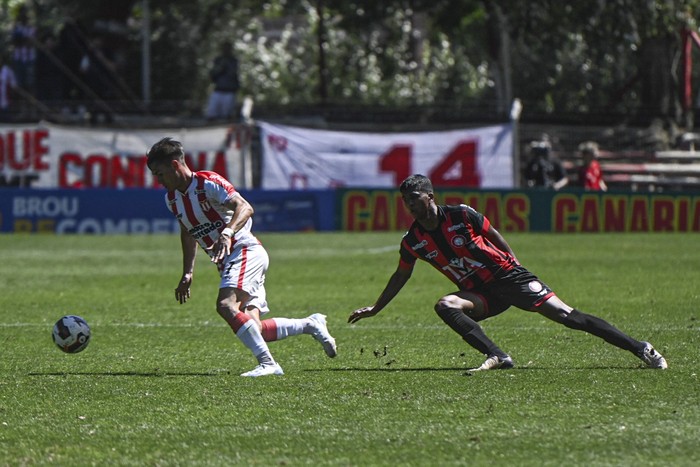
155, 373
467, 370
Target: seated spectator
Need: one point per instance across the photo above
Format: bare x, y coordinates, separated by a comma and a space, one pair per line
543, 170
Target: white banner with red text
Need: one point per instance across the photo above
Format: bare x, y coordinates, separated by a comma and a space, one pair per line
53, 156
301, 158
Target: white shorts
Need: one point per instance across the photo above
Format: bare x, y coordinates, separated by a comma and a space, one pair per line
245, 269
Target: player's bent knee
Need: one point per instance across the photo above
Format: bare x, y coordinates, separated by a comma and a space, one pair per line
446, 303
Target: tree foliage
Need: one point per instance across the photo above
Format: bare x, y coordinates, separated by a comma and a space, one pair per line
559, 57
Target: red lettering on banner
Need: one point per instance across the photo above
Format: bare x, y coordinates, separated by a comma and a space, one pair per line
380, 212
397, 160
31, 155
492, 210
68, 163
664, 211
114, 171
682, 222
589, 214
639, 219
96, 171
473, 201
458, 168
564, 208
615, 208
357, 214
39, 149
128, 172
403, 217
695, 226
517, 210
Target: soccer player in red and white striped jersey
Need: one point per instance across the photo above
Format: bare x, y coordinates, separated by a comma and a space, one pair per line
463, 245
214, 215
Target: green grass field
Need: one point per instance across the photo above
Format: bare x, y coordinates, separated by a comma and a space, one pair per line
159, 384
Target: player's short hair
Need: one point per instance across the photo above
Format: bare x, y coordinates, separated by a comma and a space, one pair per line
416, 182
165, 150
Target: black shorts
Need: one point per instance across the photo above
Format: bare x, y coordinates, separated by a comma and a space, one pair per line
518, 287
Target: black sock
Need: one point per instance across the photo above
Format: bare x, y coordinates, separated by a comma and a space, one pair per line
601, 328
470, 331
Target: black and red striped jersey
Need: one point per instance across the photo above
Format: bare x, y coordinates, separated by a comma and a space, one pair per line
202, 212
457, 248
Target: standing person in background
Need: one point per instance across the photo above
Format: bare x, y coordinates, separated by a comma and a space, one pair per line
590, 176
8, 83
24, 51
463, 245
543, 170
215, 216
224, 76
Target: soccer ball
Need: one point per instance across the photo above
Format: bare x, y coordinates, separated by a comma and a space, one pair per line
71, 334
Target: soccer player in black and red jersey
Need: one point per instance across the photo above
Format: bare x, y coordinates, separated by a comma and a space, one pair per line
463, 245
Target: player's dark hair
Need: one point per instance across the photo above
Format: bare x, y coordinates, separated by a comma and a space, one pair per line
165, 150
416, 182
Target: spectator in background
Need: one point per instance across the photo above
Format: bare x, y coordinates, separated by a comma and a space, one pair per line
23, 50
224, 75
543, 170
8, 82
590, 175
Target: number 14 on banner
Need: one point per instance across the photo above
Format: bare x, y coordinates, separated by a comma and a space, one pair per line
457, 168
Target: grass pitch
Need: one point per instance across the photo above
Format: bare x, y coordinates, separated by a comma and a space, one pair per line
159, 384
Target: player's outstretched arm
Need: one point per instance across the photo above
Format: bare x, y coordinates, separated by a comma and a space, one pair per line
395, 284
189, 253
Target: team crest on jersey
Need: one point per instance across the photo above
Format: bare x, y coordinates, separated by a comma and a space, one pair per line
459, 241
205, 205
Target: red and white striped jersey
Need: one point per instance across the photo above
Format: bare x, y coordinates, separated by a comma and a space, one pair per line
202, 212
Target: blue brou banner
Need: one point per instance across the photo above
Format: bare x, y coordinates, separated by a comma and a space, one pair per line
143, 211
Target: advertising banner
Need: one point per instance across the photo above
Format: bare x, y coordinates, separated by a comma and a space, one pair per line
143, 211
533, 210
299, 158
52, 156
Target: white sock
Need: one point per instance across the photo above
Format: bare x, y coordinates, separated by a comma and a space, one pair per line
287, 327
251, 337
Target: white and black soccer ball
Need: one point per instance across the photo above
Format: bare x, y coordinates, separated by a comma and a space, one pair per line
71, 334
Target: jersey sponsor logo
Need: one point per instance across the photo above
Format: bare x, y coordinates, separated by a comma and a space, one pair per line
419, 245
461, 268
452, 228
432, 254
459, 241
203, 230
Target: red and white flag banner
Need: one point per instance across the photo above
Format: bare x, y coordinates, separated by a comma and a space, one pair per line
301, 158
